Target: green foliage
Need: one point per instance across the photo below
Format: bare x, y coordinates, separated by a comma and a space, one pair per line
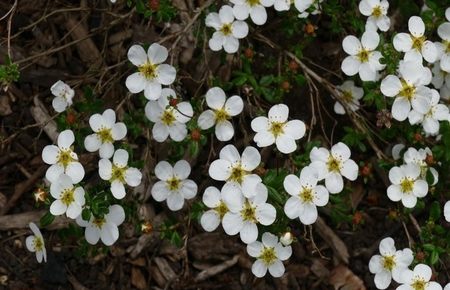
9, 72
169, 232
354, 139
46, 219
159, 10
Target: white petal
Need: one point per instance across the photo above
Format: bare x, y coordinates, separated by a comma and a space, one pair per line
92, 235
137, 55
340, 151
334, 183
266, 214
370, 40
157, 53
293, 207
166, 74
106, 150
424, 271
58, 207
164, 170
429, 51
211, 197
387, 247
402, 42
160, 191
409, 200
276, 269
210, 220
420, 188
206, 119
350, 65
416, 26
260, 124
182, 169
367, 72
152, 90
29, 242
92, 143
59, 104
213, 20
188, 189
351, 45
250, 158
224, 131
175, 201
264, 139
118, 131
50, 154
109, 234
66, 139
278, 113
350, 170
120, 158
295, 129
117, 189
239, 29
232, 223
76, 171
375, 264
254, 249
400, 109
390, 86
383, 279
259, 269
321, 197
230, 44
285, 144
309, 214
135, 82
258, 14
234, 105
394, 192
248, 233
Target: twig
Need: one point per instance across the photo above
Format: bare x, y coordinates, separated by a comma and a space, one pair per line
11, 11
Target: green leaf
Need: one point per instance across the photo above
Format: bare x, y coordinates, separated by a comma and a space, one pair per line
435, 211
47, 219
266, 80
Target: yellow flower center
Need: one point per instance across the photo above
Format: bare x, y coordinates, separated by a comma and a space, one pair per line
347, 96
99, 222
248, 213
407, 91
173, 184
363, 55
389, 262
221, 209
306, 195
148, 70
406, 185
168, 117
221, 115
67, 196
418, 42
268, 255
277, 128
64, 157
446, 44
38, 244
377, 12
118, 173
333, 164
105, 135
419, 284
237, 173
226, 29
253, 2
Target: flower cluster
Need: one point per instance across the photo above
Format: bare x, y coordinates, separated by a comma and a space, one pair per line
394, 264
63, 96
230, 25
409, 180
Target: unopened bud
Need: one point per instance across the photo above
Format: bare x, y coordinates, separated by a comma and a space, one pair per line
286, 239
146, 227
40, 195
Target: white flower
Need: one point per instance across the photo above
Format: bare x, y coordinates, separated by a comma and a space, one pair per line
409, 90
376, 10
245, 213
68, 198
419, 278
331, 166
228, 31
35, 243
363, 58
253, 8
104, 228
221, 111
282, 5
447, 287
430, 120
287, 238
106, 132
151, 72
118, 173
444, 33
213, 198
415, 45
412, 155
447, 14
269, 255
306, 195
351, 95
447, 212
63, 96
277, 129
169, 120
390, 264
62, 159
406, 185
173, 185
236, 169
304, 5
440, 77
396, 150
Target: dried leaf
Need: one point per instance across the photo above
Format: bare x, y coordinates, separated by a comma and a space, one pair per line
343, 279
138, 279
328, 235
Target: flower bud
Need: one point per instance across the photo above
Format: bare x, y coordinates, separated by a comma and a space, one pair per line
286, 239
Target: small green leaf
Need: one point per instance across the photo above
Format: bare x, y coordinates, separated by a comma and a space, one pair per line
47, 219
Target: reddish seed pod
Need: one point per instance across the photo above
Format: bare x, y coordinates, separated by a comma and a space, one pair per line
357, 218
249, 53
366, 170
153, 4
310, 28
418, 137
196, 135
293, 66
285, 86
71, 118
173, 102
420, 256
430, 160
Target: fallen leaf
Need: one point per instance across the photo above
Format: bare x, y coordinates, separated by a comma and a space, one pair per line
343, 279
328, 235
137, 278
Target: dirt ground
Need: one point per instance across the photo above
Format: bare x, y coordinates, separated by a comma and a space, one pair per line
85, 43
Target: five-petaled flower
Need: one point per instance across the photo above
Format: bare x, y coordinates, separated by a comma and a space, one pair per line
228, 30
63, 96
68, 198
62, 159
415, 45
35, 243
118, 173
236, 169
221, 111
104, 228
170, 120
106, 132
350, 94
376, 11
406, 185
242, 9
152, 73
390, 264
269, 254
363, 58
306, 195
213, 198
173, 184
332, 165
418, 279
277, 129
